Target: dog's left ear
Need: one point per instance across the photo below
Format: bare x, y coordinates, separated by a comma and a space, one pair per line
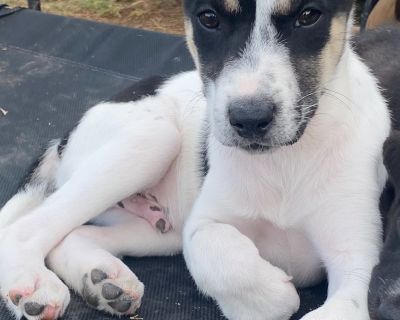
397, 10
391, 157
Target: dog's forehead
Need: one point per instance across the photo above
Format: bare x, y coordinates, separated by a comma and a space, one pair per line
265, 6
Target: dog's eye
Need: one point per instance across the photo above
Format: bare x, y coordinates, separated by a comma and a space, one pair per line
209, 19
308, 17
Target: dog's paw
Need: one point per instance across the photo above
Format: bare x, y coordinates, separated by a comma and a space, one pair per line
339, 310
37, 295
117, 291
273, 298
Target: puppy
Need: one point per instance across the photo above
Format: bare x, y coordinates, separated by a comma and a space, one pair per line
378, 48
273, 143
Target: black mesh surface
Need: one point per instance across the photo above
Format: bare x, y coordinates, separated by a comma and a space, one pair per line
51, 70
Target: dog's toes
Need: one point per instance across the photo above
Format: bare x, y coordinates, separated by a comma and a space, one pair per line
98, 276
87, 294
33, 308
119, 294
37, 295
123, 304
111, 292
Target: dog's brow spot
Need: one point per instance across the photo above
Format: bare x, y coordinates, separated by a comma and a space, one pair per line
356, 304
282, 7
232, 5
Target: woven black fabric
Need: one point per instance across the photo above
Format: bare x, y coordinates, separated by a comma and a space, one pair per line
51, 70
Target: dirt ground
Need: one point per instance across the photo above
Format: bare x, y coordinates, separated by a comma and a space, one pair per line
158, 15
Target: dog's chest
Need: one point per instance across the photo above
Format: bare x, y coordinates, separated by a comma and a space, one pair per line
281, 189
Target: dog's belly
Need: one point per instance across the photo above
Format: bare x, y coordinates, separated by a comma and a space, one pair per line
289, 250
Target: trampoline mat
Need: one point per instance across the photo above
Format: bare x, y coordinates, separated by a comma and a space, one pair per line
51, 70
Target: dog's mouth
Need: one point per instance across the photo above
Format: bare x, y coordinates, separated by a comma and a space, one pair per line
269, 145
256, 148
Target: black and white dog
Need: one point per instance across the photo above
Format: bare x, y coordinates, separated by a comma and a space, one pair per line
274, 145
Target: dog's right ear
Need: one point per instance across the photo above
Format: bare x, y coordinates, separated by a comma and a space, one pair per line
391, 157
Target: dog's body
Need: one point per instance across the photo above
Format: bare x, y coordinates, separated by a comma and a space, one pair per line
284, 160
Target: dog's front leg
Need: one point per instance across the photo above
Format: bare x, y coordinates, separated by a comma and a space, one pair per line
135, 160
227, 266
348, 243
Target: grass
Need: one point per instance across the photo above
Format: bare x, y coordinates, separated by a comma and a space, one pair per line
158, 15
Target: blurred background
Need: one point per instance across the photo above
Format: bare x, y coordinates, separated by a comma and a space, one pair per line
158, 15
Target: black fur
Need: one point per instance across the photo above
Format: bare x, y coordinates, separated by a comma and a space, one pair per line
139, 90
63, 143
380, 48
204, 161
217, 47
384, 299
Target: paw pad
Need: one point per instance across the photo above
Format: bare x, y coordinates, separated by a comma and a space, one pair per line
99, 292
33, 308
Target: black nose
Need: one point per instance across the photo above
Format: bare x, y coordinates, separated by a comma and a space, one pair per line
389, 310
251, 119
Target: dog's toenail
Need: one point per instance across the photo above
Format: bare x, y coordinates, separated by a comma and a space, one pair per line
160, 225
111, 292
98, 275
16, 298
122, 304
33, 308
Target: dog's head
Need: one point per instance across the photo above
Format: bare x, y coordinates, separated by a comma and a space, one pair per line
264, 64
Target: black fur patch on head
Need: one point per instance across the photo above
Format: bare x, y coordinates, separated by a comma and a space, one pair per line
218, 47
306, 45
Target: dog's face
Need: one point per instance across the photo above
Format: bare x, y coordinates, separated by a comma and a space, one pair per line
264, 64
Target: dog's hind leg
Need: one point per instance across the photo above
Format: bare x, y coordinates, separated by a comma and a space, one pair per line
37, 186
87, 260
136, 159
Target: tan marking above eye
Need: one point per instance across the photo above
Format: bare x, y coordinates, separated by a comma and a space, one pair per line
190, 43
282, 7
232, 5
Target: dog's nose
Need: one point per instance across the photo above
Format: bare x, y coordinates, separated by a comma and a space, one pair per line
251, 119
389, 310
